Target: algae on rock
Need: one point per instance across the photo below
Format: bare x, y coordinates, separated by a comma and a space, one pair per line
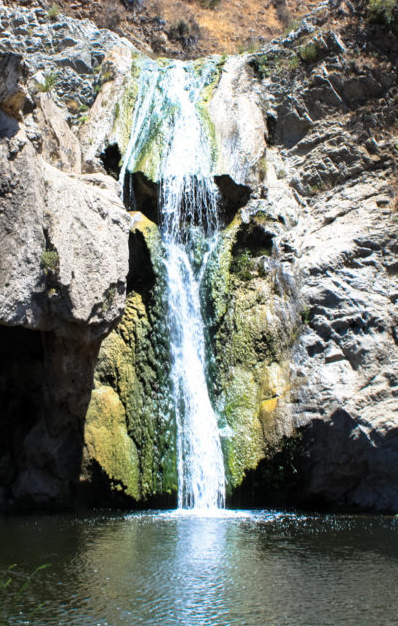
134, 363
249, 340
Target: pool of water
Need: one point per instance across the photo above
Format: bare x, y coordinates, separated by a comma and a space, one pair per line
249, 568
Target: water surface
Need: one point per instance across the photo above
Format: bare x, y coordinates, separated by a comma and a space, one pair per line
167, 569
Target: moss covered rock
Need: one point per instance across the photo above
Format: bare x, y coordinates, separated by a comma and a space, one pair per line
109, 444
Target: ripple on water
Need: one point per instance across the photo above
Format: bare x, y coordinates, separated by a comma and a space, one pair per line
185, 568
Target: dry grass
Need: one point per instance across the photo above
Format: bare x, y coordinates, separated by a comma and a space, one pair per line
225, 26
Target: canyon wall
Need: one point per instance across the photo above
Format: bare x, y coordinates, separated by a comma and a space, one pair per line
300, 295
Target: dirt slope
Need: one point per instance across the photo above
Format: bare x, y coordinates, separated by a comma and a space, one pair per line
187, 28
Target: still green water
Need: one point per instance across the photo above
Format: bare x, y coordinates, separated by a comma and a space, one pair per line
254, 568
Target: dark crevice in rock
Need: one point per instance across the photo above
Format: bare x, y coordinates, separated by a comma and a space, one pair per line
274, 481
233, 197
141, 194
110, 158
97, 489
141, 277
21, 400
254, 238
45, 387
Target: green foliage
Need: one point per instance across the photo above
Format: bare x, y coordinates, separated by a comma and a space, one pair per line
292, 25
262, 167
261, 65
209, 4
186, 32
11, 591
294, 62
49, 260
383, 12
83, 107
106, 77
53, 12
309, 52
243, 265
50, 80
83, 119
305, 314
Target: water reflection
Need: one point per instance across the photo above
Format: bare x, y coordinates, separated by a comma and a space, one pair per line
169, 570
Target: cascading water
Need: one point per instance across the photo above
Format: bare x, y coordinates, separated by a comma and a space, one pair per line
167, 108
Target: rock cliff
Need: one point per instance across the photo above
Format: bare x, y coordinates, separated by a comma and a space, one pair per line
301, 295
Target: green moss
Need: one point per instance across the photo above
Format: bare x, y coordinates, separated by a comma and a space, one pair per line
134, 363
205, 97
243, 266
125, 108
249, 344
108, 442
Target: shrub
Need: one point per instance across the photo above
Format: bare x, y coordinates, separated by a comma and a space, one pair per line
243, 266
50, 80
53, 12
261, 65
309, 52
293, 62
49, 260
186, 32
290, 26
305, 314
209, 4
111, 15
383, 12
282, 11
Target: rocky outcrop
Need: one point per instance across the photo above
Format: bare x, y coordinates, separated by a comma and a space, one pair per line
63, 268
338, 157
300, 295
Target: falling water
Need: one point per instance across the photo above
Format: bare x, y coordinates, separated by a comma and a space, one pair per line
167, 105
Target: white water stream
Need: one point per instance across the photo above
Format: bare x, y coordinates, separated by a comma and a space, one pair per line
167, 104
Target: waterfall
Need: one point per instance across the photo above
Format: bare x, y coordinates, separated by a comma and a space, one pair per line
167, 114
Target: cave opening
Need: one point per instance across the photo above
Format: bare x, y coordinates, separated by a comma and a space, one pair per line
21, 399
111, 160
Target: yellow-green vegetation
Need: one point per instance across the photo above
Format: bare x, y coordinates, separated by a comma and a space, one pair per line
262, 168
249, 341
243, 265
53, 12
125, 108
11, 590
309, 52
292, 25
108, 442
262, 65
294, 62
383, 12
209, 4
131, 389
205, 97
50, 80
50, 260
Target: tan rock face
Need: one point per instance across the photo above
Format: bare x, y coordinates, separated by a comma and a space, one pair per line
12, 89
